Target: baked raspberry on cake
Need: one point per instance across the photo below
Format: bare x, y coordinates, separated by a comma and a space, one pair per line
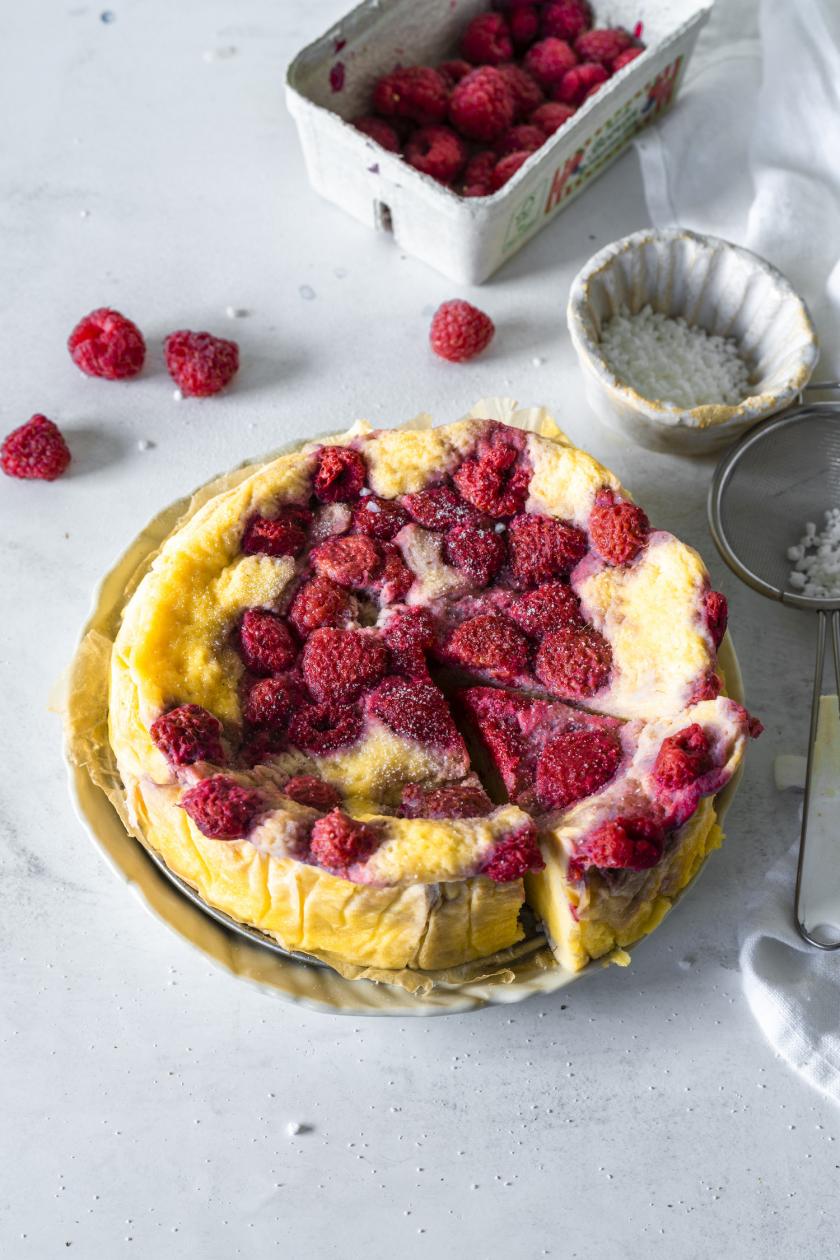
296, 673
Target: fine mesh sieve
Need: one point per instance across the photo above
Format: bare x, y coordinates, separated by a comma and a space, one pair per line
782, 473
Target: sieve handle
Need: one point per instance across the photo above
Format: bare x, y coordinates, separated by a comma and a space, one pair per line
824, 385
820, 812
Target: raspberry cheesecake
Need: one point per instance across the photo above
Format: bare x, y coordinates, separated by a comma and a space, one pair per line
393, 697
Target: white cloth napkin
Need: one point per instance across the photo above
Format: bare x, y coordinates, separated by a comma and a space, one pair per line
751, 152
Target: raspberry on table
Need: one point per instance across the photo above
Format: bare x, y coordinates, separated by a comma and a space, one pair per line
409, 634
453, 71
487, 40
716, 609
308, 789
495, 480
618, 529
418, 93
566, 19
550, 606
523, 138
436, 151
106, 344
631, 844
187, 734
506, 168
460, 331
682, 758
199, 363
270, 701
414, 710
551, 116
338, 841
265, 641
524, 23
515, 856
338, 665
438, 507
340, 475
549, 60
283, 535
490, 642
577, 84
379, 518
377, 129
319, 602
320, 729
574, 765
603, 45
481, 106
526, 92
477, 550
35, 451
624, 58
353, 560
541, 548
574, 661
222, 809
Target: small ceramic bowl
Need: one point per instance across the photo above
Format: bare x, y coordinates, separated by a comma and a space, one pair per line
714, 285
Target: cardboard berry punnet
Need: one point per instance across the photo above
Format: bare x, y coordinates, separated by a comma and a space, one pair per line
467, 239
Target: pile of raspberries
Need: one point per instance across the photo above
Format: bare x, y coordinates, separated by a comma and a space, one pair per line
524, 70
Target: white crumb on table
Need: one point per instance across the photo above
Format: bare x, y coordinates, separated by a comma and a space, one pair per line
816, 557
670, 361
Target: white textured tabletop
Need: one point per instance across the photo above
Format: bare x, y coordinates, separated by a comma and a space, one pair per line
145, 1094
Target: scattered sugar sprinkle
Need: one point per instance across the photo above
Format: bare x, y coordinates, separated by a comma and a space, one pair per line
235, 312
220, 54
177, 395
816, 558
145, 445
668, 360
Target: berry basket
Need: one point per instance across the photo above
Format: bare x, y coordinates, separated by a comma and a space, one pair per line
467, 239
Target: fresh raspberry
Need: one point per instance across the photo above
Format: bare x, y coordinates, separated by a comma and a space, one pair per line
717, 615
476, 550
603, 45
267, 646
338, 841
318, 603
308, 789
521, 139
415, 92
542, 548
415, 710
460, 331
580, 82
339, 665
551, 116
353, 561
396, 579
379, 518
527, 93
107, 344
548, 61
453, 71
566, 19
221, 808
188, 734
438, 152
574, 765
487, 41
481, 106
340, 475
618, 529
495, 481
524, 23
506, 168
439, 507
35, 451
682, 758
490, 642
574, 661
515, 856
478, 174
624, 58
707, 688
283, 535
320, 729
467, 800
549, 607
409, 634
380, 131
199, 363
630, 844
270, 701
